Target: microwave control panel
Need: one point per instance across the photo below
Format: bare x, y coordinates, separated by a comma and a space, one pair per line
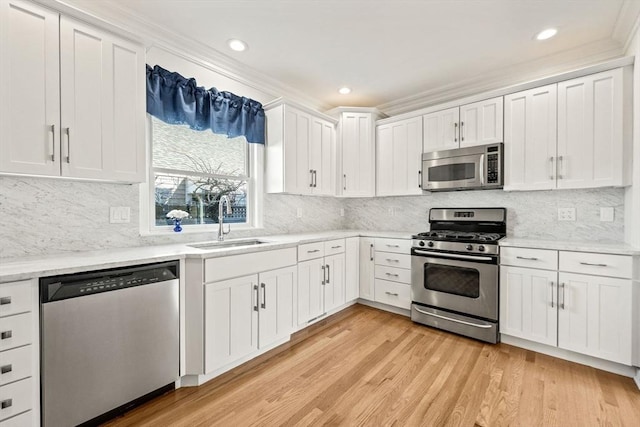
493, 168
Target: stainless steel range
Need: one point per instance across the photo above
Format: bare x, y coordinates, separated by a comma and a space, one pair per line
454, 271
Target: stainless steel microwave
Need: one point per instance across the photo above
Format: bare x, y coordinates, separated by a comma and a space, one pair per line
470, 168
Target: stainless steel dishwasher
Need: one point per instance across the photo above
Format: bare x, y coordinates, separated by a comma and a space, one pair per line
109, 340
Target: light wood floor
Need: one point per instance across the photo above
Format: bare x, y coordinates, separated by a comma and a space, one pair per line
369, 367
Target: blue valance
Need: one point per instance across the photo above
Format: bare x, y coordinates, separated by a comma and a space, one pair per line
177, 100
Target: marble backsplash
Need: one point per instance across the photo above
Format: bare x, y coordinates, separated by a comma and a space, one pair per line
532, 214
46, 216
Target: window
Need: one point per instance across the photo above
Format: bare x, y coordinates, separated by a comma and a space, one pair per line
191, 170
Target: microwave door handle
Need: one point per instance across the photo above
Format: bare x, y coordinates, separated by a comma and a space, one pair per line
481, 168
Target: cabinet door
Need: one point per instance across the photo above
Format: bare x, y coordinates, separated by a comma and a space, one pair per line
367, 268
398, 158
310, 290
322, 157
530, 139
441, 130
595, 317
297, 128
590, 131
481, 122
528, 304
277, 300
334, 288
29, 89
351, 270
231, 321
358, 154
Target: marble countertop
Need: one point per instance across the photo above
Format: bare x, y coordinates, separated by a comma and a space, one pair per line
561, 245
24, 268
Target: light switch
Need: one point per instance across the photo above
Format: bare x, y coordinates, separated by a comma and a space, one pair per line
299, 213
606, 214
119, 214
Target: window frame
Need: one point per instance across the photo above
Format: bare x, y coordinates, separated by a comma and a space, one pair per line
254, 176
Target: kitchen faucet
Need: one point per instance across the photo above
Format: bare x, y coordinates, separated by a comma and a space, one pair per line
221, 231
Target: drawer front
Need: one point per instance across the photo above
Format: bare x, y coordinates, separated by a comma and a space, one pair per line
15, 297
16, 398
543, 259
15, 331
15, 364
596, 264
310, 251
23, 420
334, 246
401, 246
392, 259
392, 293
401, 275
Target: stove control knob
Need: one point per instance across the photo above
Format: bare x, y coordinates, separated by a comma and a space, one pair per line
481, 248
430, 244
469, 247
421, 243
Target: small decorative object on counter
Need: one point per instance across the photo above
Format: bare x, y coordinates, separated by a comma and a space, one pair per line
177, 216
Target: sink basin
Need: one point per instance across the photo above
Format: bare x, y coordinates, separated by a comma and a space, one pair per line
228, 244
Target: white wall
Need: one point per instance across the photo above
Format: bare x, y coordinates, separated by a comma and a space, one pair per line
632, 199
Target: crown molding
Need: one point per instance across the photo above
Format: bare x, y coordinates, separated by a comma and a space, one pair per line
116, 18
627, 23
552, 64
292, 103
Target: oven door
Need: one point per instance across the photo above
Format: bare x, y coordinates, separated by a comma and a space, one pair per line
466, 284
453, 172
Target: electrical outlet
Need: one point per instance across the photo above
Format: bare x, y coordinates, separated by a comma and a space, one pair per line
299, 213
390, 211
119, 214
606, 214
566, 214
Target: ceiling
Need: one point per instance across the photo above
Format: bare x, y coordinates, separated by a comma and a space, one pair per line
389, 51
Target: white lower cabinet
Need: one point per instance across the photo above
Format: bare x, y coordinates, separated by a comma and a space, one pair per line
245, 314
392, 272
351, 270
310, 293
585, 313
367, 268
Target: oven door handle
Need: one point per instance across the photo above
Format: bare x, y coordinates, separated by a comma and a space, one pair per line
475, 325
453, 256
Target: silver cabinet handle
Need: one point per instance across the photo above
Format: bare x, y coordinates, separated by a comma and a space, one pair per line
68, 145
560, 167
392, 260
475, 325
255, 288
345, 181
391, 293
371, 252
461, 131
53, 143
392, 246
561, 304
455, 132
551, 294
527, 258
324, 275
311, 176
6, 403
313, 251
264, 295
551, 175
336, 247
5, 335
594, 265
328, 274
6, 369
392, 274
315, 178
5, 300
419, 179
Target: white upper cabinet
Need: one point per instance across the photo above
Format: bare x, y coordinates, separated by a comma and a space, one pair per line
398, 158
29, 89
74, 104
472, 124
575, 134
357, 149
594, 136
300, 151
530, 139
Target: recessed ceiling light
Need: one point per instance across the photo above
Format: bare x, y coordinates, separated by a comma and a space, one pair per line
344, 90
237, 45
546, 34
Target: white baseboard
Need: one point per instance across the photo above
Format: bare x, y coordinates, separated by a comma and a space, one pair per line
385, 307
605, 365
637, 378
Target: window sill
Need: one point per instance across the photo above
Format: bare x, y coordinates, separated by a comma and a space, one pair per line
195, 229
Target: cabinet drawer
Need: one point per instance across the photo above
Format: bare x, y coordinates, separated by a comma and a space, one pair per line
16, 397
310, 251
596, 264
15, 297
393, 259
16, 331
400, 246
334, 246
394, 274
532, 258
15, 364
23, 420
392, 293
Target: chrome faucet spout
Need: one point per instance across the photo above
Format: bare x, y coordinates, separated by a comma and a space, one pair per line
221, 231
